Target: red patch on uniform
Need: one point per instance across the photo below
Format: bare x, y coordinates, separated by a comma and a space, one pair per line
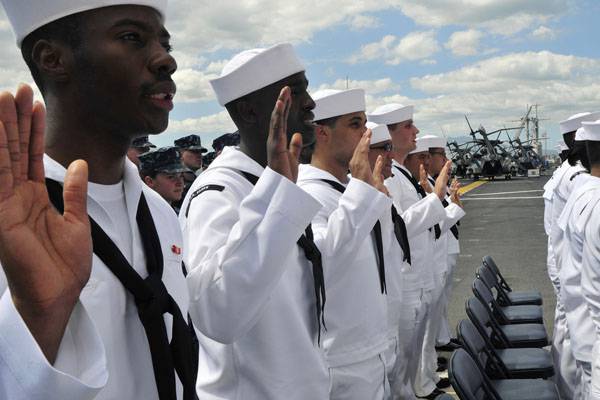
176, 250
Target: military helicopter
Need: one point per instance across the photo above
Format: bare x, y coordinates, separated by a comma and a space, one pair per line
525, 155
489, 158
461, 157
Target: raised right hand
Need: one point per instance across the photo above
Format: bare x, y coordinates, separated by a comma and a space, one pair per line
441, 183
46, 256
423, 179
360, 168
280, 158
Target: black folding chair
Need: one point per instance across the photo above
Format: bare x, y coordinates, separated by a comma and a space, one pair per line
470, 383
505, 292
504, 336
504, 363
526, 314
503, 297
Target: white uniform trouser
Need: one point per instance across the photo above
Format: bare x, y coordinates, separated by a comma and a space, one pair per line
585, 371
594, 393
359, 381
400, 377
427, 376
567, 376
422, 385
445, 332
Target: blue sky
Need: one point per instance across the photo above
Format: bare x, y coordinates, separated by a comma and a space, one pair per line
488, 59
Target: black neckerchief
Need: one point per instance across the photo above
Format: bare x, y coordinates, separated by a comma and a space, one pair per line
401, 235
453, 228
312, 253
421, 192
151, 299
376, 235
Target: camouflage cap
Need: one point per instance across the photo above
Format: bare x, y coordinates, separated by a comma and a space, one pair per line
191, 142
141, 142
165, 159
228, 139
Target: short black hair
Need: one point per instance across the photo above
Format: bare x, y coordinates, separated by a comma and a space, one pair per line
66, 30
563, 155
578, 153
593, 152
148, 172
569, 138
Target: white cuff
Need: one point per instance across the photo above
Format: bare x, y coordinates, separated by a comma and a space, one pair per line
25, 373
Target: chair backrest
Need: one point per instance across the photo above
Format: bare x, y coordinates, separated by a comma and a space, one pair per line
489, 261
479, 349
487, 276
483, 293
483, 321
466, 378
492, 281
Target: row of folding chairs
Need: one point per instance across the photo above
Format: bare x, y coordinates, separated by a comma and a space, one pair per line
503, 338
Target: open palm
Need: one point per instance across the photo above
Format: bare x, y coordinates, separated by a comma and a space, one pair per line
46, 256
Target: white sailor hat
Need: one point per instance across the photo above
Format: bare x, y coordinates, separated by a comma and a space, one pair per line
331, 103
573, 123
432, 141
26, 16
592, 130
255, 69
580, 135
422, 145
391, 114
380, 133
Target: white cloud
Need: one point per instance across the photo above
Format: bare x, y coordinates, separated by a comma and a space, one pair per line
220, 122
499, 72
371, 87
504, 17
361, 22
464, 43
393, 50
544, 33
496, 91
234, 24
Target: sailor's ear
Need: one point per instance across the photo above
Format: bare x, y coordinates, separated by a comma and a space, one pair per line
246, 111
148, 181
54, 60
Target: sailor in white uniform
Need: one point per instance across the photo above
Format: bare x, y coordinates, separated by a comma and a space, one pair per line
417, 162
446, 247
572, 221
420, 214
75, 325
437, 153
556, 194
351, 233
590, 273
255, 279
397, 260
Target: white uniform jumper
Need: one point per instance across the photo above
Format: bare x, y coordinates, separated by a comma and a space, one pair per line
572, 223
566, 377
252, 295
104, 353
569, 373
356, 308
590, 287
